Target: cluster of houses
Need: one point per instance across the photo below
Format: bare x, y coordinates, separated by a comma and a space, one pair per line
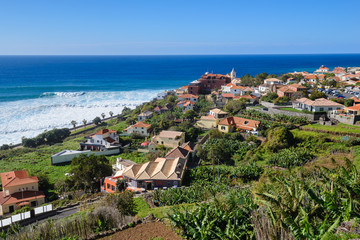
19, 189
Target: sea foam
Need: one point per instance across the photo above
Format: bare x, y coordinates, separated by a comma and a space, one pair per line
28, 118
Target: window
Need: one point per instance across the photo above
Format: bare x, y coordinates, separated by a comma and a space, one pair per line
246, 122
108, 186
142, 132
113, 187
92, 140
26, 188
32, 187
222, 128
321, 109
330, 109
162, 142
33, 203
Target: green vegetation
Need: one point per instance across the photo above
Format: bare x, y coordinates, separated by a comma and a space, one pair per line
290, 109
339, 129
48, 138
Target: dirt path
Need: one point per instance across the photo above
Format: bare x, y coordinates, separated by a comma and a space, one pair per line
146, 231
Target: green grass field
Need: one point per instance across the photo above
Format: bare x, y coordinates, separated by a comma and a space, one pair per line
337, 129
143, 209
38, 160
291, 109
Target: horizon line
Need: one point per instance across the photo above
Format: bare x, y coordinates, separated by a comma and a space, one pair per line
219, 54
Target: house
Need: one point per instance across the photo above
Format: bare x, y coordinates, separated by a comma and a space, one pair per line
191, 147
322, 69
19, 190
207, 83
159, 109
170, 139
231, 124
217, 113
188, 97
140, 128
285, 92
227, 96
121, 164
266, 88
109, 184
207, 122
318, 105
272, 81
101, 141
252, 98
186, 105
178, 152
161, 173
145, 115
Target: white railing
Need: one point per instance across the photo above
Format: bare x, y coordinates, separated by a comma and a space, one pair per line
25, 215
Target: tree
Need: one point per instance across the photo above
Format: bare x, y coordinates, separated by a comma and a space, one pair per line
190, 115
349, 102
279, 138
123, 201
234, 106
4, 147
97, 121
103, 115
316, 94
270, 97
111, 113
84, 121
73, 122
86, 171
121, 185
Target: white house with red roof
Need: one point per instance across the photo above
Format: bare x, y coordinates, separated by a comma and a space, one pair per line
188, 97
140, 128
101, 140
186, 105
19, 190
322, 69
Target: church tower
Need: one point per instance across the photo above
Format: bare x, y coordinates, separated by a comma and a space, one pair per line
233, 74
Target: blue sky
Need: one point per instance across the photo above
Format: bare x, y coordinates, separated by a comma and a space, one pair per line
116, 27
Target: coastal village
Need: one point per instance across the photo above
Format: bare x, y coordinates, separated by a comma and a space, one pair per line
221, 130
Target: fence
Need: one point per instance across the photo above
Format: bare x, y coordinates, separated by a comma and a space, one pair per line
25, 215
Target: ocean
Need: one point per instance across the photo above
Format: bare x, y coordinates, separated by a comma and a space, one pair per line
39, 93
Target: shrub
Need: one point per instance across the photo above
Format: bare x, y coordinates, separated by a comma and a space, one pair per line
291, 157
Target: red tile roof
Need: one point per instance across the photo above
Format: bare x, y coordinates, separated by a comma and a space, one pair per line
188, 96
241, 123
141, 124
16, 178
356, 107
228, 95
19, 197
104, 131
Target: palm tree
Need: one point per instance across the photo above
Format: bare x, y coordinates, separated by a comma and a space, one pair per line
84, 121
73, 122
111, 113
103, 115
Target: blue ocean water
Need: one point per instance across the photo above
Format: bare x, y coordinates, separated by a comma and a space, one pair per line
25, 77
38, 93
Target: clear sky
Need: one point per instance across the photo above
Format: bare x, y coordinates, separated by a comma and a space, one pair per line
122, 27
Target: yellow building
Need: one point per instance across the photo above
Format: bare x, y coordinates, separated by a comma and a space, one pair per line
231, 124
19, 190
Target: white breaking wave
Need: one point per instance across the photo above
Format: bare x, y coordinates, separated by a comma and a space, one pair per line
62, 94
28, 118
